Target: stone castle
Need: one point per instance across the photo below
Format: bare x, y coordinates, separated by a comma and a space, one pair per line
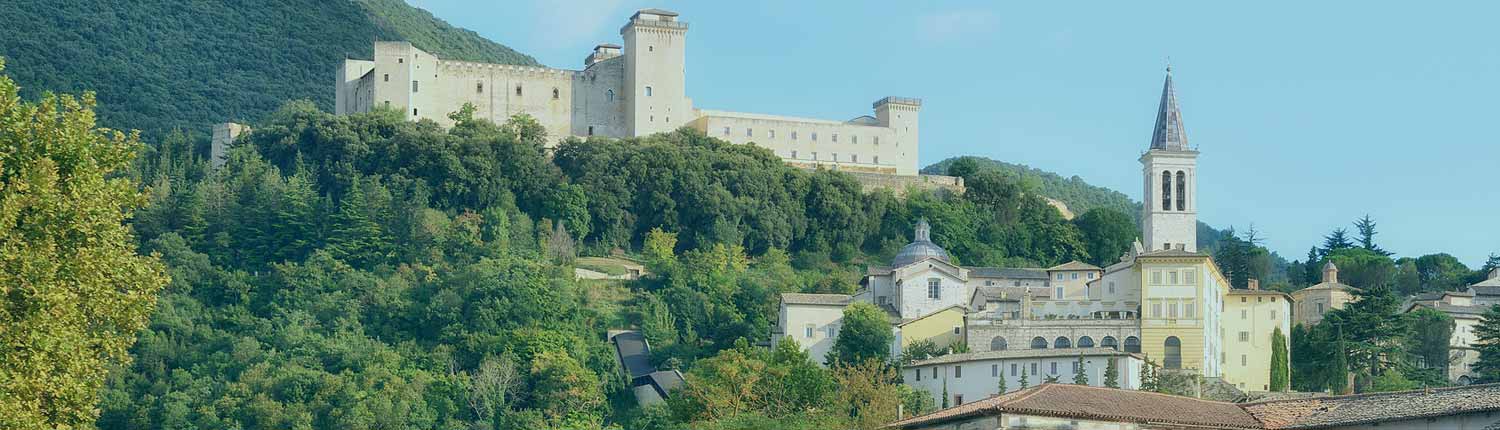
623, 91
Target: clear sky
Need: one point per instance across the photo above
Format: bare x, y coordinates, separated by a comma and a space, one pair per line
1308, 114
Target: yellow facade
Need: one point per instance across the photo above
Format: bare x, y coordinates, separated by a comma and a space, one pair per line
943, 328
1182, 296
1251, 317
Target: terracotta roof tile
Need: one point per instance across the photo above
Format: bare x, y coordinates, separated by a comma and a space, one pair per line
1361, 409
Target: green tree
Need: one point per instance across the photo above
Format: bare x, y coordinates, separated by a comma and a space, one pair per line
73, 290
565, 389
1441, 272
1112, 373
1487, 337
1429, 339
1363, 268
355, 236
1107, 234
1001, 385
945, 393
1365, 226
864, 336
1082, 377
1025, 382
1150, 381
1335, 241
1280, 365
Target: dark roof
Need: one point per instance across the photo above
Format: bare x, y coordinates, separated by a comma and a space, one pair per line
815, 299
1169, 133
918, 251
1485, 290
1098, 403
667, 380
1473, 310
635, 354
1005, 272
1019, 353
607, 45
1360, 409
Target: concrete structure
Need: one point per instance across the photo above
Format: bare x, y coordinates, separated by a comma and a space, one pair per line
1064, 406
623, 91
973, 376
649, 385
224, 136
1251, 317
1315, 301
1487, 292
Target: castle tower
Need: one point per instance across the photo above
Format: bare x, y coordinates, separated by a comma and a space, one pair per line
655, 72
1170, 215
900, 115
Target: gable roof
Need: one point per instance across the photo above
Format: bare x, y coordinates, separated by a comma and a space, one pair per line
1099, 403
1360, 409
904, 321
815, 299
634, 352
1073, 265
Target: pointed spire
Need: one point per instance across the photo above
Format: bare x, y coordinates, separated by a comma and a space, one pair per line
1169, 133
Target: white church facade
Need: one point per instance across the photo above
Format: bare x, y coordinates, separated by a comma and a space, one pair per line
1162, 301
636, 89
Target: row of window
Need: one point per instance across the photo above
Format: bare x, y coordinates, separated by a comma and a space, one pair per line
1060, 276
853, 158
416, 86
1245, 313
1015, 369
1188, 309
809, 330
1132, 343
1174, 277
771, 134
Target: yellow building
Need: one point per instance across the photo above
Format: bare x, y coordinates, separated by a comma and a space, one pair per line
1315, 301
1250, 320
944, 328
1182, 298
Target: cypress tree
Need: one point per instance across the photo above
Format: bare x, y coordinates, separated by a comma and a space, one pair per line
1002, 382
1024, 382
1082, 376
945, 394
1280, 367
1112, 374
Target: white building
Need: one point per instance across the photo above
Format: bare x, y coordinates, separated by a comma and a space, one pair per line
623, 91
813, 320
971, 376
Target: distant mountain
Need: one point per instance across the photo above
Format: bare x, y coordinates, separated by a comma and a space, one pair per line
163, 64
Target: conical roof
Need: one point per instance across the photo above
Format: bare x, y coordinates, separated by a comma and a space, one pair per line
1169, 134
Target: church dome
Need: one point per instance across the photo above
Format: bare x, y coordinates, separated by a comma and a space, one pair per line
920, 249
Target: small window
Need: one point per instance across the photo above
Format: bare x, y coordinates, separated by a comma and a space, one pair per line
1034, 369
807, 331
835, 157
1242, 300
1172, 310
1320, 308
648, 91
609, 95
387, 77
479, 87
591, 130
650, 48
770, 134
1091, 275
518, 90
919, 374
994, 370
794, 154
400, 60
934, 285
1244, 336
1059, 276
651, 118
1156, 310
749, 132
1172, 277
835, 137
1013, 369
958, 399
1273, 315
1244, 360
877, 161
877, 140
1244, 314
957, 330
814, 136
1058, 294
1075, 276
413, 111
833, 331
556, 94
1111, 287
726, 131
1052, 368
958, 372
1189, 309
1016, 283
853, 139
1156, 277
794, 135
934, 372
414, 86
815, 156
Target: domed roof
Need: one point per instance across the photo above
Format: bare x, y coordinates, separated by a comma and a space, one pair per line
920, 249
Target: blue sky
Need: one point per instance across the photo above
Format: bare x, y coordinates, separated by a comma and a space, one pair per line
1308, 114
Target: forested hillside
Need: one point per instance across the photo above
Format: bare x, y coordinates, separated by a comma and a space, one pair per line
159, 65
1080, 196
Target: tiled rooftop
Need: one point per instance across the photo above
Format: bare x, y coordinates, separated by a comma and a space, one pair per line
1372, 408
1098, 403
815, 299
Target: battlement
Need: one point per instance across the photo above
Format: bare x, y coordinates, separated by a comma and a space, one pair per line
910, 102
455, 65
655, 18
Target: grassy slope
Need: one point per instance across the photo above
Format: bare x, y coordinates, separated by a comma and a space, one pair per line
161, 64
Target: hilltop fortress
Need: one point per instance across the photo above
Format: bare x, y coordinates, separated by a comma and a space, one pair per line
634, 90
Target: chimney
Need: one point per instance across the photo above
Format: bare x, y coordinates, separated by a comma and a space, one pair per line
1254, 284
1330, 273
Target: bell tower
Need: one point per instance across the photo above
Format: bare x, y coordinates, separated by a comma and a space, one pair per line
1169, 218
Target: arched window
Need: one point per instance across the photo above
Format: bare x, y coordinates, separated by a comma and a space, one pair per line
1038, 343
997, 344
609, 95
1085, 342
1109, 342
1166, 191
1174, 353
1133, 344
1062, 343
1181, 191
